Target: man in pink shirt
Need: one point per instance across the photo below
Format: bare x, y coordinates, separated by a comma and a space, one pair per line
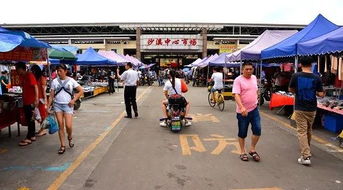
246, 92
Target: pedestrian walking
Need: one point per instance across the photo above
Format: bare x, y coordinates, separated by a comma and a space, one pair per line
111, 79
246, 92
30, 100
63, 99
306, 86
130, 79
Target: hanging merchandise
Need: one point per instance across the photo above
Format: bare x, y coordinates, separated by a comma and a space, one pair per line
326, 64
334, 64
318, 61
340, 69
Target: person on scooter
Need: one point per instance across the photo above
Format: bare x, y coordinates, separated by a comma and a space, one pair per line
217, 78
171, 87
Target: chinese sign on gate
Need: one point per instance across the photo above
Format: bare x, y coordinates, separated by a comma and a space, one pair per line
190, 42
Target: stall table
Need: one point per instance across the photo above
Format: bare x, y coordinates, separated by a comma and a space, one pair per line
278, 100
333, 118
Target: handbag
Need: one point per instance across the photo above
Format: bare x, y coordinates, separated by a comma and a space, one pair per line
184, 87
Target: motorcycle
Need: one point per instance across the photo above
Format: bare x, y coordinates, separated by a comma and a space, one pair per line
175, 109
266, 92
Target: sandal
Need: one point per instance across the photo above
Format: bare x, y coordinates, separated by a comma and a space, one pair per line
25, 142
41, 134
33, 139
244, 157
255, 156
71, 144
61, 150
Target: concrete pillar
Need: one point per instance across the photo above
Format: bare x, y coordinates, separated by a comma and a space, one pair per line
204, 42
138, 42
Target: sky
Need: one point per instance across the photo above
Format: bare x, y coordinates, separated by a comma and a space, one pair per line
213, 11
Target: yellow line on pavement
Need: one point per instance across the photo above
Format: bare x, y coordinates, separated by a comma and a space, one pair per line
74, 165
271, 188
314, 137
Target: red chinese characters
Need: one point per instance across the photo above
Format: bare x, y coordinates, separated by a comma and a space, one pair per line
159, 41
193, 42
184, 41
150, 41
169, 42
175, 42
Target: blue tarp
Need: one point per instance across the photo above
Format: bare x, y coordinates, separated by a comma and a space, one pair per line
27, 39
288, 47
9, 41
331, 42
91, 58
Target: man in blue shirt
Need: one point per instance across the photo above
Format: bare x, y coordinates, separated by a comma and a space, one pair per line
306, 86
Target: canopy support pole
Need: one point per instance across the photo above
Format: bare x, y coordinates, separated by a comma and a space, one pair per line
208, 72
296, 64
260, 86
49, 69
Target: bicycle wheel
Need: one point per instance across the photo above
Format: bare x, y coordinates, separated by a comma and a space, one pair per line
221, 102
211, 103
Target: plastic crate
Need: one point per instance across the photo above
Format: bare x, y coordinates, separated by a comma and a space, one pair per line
333, 123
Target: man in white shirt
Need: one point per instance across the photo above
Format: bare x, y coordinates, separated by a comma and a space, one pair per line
130, 78
217, 77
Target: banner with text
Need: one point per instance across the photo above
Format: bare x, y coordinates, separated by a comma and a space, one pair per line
173, 42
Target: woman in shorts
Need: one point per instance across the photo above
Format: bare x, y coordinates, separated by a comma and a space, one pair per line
63, 99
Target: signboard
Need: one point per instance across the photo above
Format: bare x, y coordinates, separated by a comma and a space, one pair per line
227, 48
170, 62
172, 42
24, 54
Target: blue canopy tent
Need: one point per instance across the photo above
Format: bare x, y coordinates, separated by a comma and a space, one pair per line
331, 42
288, 47
28, 40
9, 41
91, 58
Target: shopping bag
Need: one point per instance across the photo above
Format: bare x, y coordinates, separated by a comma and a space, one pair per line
51, 124
36, 115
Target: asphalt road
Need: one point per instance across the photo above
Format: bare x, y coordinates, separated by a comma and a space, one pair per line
112, 152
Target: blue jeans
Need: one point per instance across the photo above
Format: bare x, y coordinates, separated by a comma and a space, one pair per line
252, 118
65, 108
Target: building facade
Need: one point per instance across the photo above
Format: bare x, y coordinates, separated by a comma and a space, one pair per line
161, 43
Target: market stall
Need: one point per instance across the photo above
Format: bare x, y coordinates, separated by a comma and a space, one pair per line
94, 86
17, 46
329, 47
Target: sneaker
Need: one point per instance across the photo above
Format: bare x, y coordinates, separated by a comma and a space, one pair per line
163, 124
188, 123
304, 161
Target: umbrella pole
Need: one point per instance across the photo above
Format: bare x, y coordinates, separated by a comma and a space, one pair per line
48, 64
